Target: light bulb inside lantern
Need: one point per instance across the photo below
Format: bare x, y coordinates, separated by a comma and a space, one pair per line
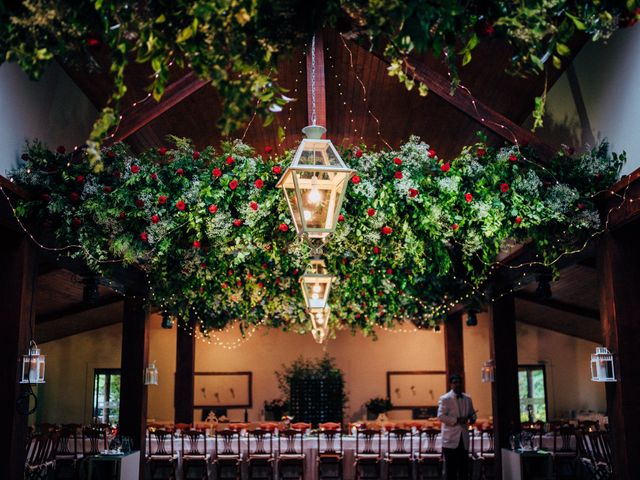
315, 296
316, 288
307, 215
314, 195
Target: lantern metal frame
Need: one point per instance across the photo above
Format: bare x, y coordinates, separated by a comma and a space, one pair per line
316, 278
323, 172
33, 365
320, 321
151, 374
488, 371
602, 366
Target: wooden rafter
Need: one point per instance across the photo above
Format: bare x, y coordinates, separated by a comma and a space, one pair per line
77, 308
559, 305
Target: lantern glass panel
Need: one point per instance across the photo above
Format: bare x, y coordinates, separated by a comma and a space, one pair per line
316, 285
33, 365
151, 374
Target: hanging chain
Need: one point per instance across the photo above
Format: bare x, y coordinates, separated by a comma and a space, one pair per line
313, 80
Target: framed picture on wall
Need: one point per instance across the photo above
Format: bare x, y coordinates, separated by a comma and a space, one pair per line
417, 389
222, 389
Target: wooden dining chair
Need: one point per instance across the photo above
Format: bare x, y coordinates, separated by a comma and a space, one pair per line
429, 456
194, 453
66, 452
161, 453
565, 451
260, 454
290, 456
487, 455
330, 453
368, 453
399, 455
227, 454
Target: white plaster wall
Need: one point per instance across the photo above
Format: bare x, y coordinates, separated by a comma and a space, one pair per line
53, 110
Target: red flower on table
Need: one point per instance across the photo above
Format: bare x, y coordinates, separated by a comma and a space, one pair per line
196, 244
445, 167
504, 187
283, 227
213, 208
513, 158
358, 153
376, 250
162, 150
216, 172
259, 183
135, 168
518, 220
233, 184
230, 160
80, 179
397, 161
413, 192
139, 202
74, 196
468, 197
481, 152
253, 206
237, 222
61, 149
386, 230
371, 212
341, 218
355, 179
180, 172
398, 175
455, 226
144, 237
277, 170
196, 155
155, 218
180, 205
162, 199
154, 176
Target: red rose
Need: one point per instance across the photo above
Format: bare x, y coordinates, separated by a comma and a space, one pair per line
239, 283
445, 167
413, 192
111, 154
162, 150
76, 222
74, 196
80, 179
253, 206
45, 196
283, 227
371, 212
196, 244
398, 175
581, 206
341, 218
268, 149
92, 41
233, 184
135, 168
180, 205
518, 220
230, 160
213, 208
455, 226
122, 215
504, 187
61, 149
216, 172
116, 174
154, 176
139, 203
162, 200
229, 272
106, 189
144, 237
431, 153
376, 250
196, 155
481, 152
355, 179
468, 197
259, 183
203, 265
237, 222
277, 170
485, 29
386, 230
224, 285
180, 172
155, 218
358, 153
513, 158
397, 161
260, 285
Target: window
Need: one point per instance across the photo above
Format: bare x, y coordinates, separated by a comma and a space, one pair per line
532, 387
106, 395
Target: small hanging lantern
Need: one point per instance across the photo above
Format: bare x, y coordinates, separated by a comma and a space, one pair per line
320, 322
314, 185
33, 364
167, 321
316, 285
602, 369
488, 371
151, 374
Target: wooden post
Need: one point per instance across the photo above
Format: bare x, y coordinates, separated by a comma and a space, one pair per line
321, 104
134, 360
453, 346
619, 277
17, 284
504, 393
185, 364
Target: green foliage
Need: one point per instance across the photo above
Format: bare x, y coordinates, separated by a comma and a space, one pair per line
378, 405
236, 44
418, 232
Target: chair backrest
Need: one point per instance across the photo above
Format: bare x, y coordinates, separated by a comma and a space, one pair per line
288, 439
589, 425
67, 444
36, 449
262, 444
398, 439
194, 442
329, 439
562, 437
181, 426
601, 447
160, 442
51, 446
487, 441
302, 426
368, 441
45, 427
94, 440
227, 442
427, 440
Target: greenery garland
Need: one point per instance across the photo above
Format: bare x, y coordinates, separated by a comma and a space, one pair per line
237, 43
214, 235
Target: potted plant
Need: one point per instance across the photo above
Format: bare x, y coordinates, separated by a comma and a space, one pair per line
275, 409
376, 406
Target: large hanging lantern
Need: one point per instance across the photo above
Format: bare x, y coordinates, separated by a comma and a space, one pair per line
320, 322
151, 374
488, 371
316, 285
33, 364
314, 185
602, 369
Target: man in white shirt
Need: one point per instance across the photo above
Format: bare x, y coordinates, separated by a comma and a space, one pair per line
455, 411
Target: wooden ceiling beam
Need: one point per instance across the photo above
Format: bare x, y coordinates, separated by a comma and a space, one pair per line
78, 308
316, 75
559, 305
148, 111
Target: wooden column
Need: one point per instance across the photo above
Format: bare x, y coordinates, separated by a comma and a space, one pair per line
17, 282
504, 393
321, 104
453, 346
619, 278
133, 391
185, 364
